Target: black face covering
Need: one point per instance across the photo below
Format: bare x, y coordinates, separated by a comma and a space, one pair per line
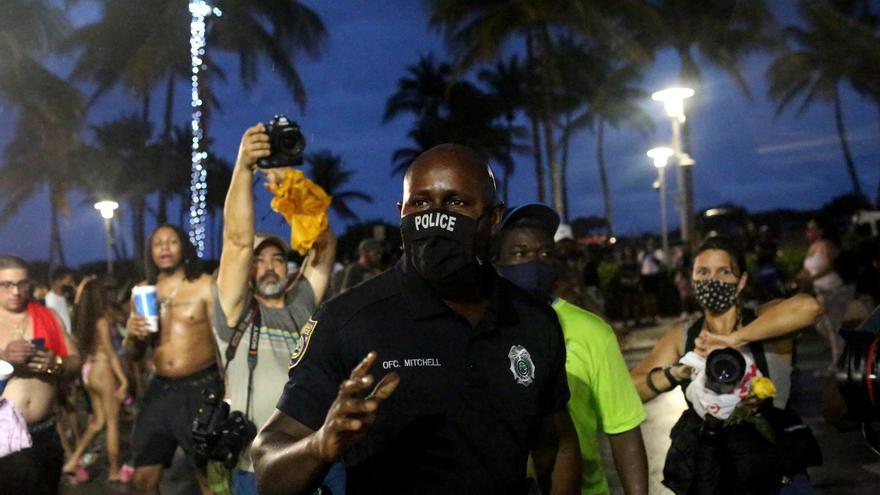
714, 295
536, 277
441, 246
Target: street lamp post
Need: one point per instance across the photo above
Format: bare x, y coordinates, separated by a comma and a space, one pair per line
660, 156
673, 103
107, 208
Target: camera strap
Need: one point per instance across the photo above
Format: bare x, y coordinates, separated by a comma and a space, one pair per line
251, 321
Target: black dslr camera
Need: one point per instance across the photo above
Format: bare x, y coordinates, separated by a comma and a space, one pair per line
286, 144
219, 435
725, 369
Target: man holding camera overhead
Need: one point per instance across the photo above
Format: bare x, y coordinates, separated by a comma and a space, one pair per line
254, 303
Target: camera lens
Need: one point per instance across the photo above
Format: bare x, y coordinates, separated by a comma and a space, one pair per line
725, 369
288, 140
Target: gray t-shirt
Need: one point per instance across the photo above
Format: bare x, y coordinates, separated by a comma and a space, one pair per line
279, 337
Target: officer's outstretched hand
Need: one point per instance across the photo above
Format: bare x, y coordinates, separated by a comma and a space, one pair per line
352, 414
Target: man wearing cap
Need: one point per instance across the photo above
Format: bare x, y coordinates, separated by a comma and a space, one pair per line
602, 394
252, 286
435, 377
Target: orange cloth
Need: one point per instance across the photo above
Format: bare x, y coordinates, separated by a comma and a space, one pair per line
304, 205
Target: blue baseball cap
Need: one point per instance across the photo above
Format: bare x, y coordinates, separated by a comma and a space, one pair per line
542, 214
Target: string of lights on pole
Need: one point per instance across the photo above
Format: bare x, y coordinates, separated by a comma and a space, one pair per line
199, 10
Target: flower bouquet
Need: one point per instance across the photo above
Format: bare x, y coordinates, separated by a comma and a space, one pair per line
748, 410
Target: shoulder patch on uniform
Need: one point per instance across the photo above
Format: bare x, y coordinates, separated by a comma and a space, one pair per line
305, 335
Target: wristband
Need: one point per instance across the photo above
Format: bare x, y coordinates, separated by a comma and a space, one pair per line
673, 382
650, 382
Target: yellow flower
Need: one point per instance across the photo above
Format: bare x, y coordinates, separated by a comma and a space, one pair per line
762, 388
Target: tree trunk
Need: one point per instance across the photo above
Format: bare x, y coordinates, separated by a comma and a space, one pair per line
566, 138
603, 175
556, 181
508, 168
55, 246
145, 107
844, 145
536, 136
164, 196
690, 76
138, 205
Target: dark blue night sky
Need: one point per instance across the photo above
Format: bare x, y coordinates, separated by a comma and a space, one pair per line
744, 155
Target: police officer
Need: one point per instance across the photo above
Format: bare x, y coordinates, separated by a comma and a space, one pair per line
437, 376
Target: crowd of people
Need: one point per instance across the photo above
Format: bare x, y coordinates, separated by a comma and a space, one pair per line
481, 360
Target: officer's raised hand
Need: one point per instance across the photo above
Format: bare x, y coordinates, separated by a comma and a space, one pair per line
352, 414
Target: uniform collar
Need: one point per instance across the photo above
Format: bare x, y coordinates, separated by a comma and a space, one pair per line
423, 302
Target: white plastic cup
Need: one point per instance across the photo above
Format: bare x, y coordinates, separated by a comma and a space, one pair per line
146, 306
6, 370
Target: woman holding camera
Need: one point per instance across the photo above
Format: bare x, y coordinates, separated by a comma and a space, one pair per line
718, 276
102, 372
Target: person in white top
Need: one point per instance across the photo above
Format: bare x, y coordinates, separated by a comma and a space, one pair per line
61, 291
830, 289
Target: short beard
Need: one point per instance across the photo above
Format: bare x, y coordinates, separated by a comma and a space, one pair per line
270, 289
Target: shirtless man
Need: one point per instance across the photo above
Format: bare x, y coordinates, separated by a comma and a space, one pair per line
184, 356
33, 339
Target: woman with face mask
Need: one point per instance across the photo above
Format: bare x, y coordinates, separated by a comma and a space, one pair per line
764, 339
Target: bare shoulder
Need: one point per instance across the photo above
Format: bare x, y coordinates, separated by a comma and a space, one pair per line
202, 285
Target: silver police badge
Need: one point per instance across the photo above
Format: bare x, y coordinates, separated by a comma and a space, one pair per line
521, 365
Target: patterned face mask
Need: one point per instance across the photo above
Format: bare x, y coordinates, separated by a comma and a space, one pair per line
714, 295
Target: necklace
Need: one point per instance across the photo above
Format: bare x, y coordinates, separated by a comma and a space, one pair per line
165, 303
18, 329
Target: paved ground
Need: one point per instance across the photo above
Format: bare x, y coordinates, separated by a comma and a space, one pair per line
850, 467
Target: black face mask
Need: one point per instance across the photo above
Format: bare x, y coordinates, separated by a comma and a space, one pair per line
442, 247
536, 277
716, 296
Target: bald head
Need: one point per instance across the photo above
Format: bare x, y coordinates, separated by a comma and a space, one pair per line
459, 160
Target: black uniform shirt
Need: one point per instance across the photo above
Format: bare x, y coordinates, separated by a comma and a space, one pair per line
469, 399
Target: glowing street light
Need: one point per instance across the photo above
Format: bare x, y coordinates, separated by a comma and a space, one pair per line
673, 100
673, 103
660, 156
107, 208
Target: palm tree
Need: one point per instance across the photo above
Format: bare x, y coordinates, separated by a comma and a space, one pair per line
40, 154
815, 68
139, 44
448, 110
125, 149
31, 29
511, 85
602, 84
477, 30
719, 33
422, 92
325, 169
44, 146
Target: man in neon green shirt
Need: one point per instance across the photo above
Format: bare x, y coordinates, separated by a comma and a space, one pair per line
602, 394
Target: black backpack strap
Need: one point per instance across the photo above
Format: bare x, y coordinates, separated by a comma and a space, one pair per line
757, 347
691, 334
